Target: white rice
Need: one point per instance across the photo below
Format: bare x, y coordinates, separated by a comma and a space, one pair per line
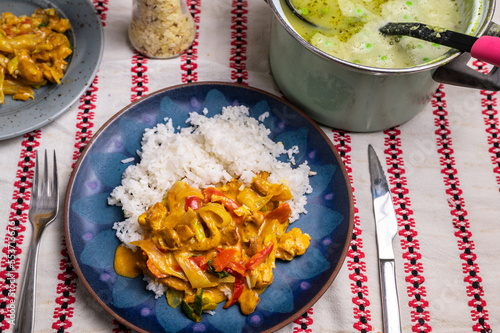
209, 152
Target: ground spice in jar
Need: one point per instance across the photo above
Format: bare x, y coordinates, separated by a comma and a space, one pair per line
161, 28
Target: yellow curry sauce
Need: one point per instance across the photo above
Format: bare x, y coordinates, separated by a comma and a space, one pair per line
32, 52
215, 245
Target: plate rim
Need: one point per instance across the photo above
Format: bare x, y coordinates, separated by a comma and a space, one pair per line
76, 167
99, 45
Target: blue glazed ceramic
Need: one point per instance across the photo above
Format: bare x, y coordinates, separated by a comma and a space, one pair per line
297, 284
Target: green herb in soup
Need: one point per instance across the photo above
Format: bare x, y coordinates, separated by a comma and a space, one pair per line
352, 29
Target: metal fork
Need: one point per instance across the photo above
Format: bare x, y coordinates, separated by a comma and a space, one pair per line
43, 210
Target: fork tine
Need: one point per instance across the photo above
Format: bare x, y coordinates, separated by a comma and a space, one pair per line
45, 186
34, 189
54, 177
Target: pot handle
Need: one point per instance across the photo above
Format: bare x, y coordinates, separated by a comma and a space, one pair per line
458, 73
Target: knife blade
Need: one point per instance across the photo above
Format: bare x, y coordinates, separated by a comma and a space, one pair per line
386, 227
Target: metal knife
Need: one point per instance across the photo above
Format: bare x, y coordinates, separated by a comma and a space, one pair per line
386, 228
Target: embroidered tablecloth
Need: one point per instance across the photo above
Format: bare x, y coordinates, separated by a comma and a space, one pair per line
443, 167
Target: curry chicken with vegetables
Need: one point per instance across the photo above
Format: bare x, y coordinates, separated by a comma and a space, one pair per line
214, 245
32, 52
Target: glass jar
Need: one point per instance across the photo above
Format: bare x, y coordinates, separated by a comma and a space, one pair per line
161, 28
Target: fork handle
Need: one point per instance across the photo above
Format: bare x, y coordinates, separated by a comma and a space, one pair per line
25, 313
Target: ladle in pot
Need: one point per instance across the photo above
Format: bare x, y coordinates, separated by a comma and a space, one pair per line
298, 14
485, 48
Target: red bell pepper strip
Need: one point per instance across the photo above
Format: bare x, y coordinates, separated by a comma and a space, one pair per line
259, 257
236, 269
281, 214
200, 261
154, 270
208, 192
239, 285
223, 258
192, 202
213, 195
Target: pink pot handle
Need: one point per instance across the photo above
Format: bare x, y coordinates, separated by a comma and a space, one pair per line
458, 73
487, 49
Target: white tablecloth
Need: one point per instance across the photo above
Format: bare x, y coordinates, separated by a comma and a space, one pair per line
443, 167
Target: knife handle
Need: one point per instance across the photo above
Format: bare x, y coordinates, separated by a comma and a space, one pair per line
390, 304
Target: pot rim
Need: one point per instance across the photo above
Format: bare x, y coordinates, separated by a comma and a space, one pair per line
484, 13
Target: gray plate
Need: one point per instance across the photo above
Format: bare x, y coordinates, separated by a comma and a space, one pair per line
52, 100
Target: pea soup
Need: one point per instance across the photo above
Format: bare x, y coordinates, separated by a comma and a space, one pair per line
350, 29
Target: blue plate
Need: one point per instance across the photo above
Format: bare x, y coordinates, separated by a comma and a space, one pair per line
297, 284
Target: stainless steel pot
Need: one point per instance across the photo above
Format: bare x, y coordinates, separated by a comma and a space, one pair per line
359, 98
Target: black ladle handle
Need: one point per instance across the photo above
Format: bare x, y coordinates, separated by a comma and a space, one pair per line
297, 13
459, 41
486, 48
